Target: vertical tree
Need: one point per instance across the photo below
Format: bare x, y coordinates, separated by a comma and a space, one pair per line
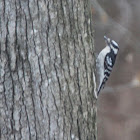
46, 70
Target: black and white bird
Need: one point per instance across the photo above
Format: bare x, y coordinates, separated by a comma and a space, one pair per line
105, 62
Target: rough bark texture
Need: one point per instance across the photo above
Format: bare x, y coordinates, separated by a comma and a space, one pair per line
46, 70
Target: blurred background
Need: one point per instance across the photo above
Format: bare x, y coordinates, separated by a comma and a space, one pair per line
119, 102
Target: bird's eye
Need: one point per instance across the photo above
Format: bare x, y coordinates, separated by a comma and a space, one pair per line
114, 44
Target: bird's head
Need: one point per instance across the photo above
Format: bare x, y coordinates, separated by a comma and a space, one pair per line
112, 44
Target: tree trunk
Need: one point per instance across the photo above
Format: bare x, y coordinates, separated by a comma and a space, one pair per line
47, 70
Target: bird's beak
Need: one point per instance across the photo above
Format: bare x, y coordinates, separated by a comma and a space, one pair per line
105, 37
107, 40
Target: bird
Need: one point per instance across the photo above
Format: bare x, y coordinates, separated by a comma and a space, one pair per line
105, 62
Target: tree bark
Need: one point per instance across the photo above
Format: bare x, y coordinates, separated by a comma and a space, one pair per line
47, 70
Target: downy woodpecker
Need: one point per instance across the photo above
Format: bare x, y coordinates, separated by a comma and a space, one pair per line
105, 62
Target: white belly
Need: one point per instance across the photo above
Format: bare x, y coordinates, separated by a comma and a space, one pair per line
100, 65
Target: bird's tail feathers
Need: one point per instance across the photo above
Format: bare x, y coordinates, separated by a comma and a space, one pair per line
100, 87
